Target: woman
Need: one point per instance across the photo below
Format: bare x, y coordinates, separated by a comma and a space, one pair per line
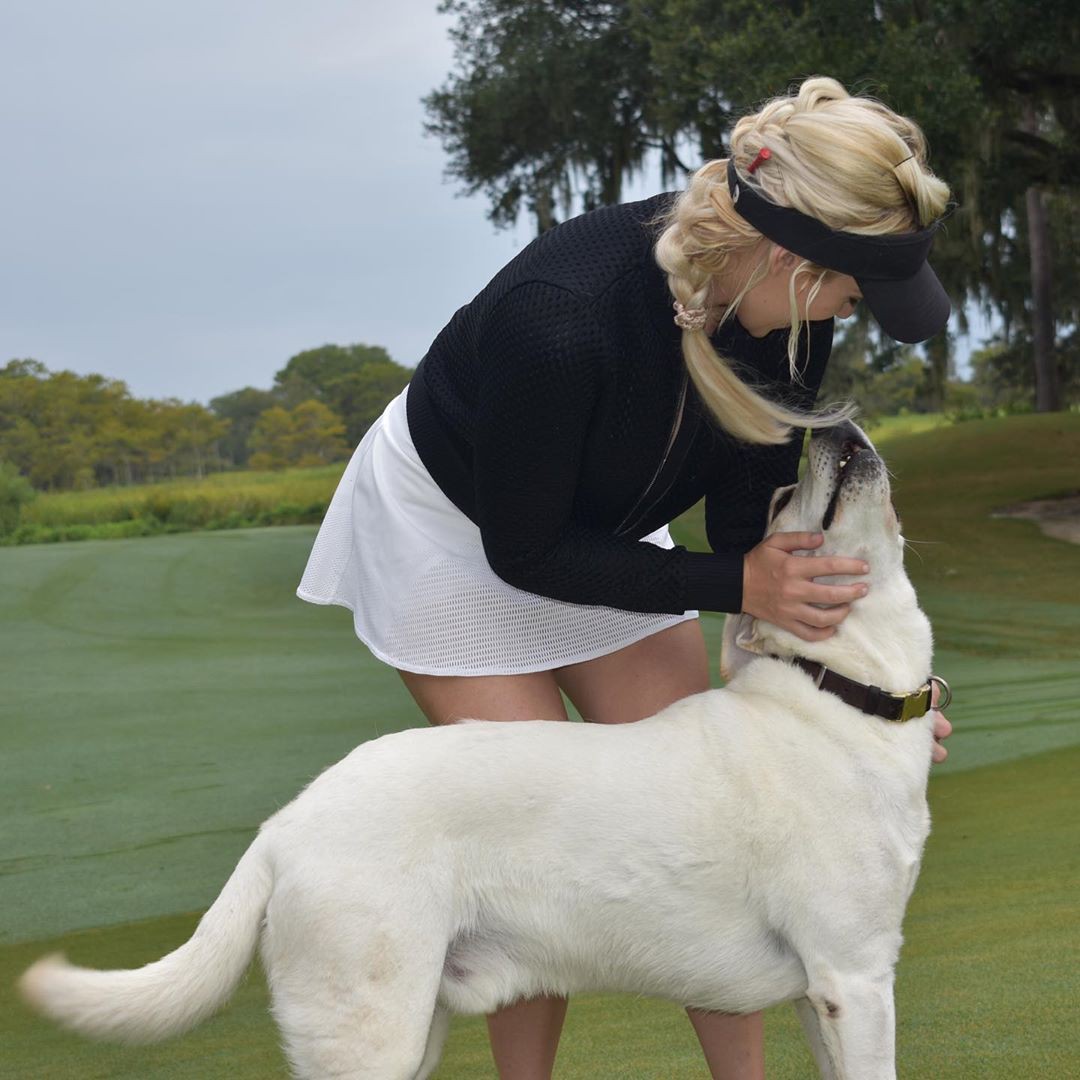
501, 532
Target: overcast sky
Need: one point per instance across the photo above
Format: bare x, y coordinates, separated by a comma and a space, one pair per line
193, 192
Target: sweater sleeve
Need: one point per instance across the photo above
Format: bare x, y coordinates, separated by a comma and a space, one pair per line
545, 367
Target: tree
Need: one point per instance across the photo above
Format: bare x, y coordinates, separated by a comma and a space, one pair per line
15, 493
62, 430
310, 434
355, 381
993, 87
242, 409
360, 396
548, 98
316, 435
268, 444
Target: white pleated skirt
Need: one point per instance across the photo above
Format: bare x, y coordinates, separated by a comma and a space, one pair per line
395, 551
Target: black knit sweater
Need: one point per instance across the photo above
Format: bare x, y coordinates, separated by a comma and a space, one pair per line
544, 408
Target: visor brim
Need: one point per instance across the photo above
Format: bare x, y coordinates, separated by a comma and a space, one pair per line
911, 309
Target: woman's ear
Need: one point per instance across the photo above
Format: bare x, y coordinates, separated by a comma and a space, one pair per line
782, 259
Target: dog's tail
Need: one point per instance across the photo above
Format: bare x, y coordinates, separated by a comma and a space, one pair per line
174, 993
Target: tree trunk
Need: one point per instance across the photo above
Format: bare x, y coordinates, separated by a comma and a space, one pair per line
938, 352
1047, 384
544, 208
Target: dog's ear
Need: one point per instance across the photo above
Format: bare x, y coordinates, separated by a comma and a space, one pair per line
740, 644
780, 498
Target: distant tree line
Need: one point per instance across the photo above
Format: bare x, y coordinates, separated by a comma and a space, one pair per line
352, 384
552, 106
59, 430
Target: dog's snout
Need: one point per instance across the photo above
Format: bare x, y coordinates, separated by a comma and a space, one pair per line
847, 437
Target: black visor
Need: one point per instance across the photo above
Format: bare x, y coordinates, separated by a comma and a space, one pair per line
899, 286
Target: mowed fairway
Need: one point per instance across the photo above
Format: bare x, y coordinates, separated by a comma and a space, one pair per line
162, 696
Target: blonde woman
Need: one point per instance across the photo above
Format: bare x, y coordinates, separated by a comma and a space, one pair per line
500, 534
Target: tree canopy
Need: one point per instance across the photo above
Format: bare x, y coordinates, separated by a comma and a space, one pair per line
552, 106
355, 381
61, 430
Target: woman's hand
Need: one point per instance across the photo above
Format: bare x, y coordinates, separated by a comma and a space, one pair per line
778, 586
942, 727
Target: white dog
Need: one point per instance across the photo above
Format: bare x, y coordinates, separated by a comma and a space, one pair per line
743, 847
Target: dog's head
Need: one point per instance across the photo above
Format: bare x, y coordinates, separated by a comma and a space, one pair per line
845, 494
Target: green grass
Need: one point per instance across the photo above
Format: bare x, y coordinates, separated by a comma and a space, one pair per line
883, 429
163, 696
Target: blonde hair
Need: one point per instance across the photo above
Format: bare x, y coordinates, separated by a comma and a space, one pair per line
835, 157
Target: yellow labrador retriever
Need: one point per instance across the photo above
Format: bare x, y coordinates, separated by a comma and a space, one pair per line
743, 847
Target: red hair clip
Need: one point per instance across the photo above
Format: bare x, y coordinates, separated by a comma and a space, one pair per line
763, 155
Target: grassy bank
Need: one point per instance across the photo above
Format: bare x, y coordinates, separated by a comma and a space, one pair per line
234, 500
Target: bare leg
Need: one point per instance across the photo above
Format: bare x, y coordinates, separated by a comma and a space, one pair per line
734, 1046
525, 1035
632, 684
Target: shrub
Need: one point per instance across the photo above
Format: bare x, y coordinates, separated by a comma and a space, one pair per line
15, 492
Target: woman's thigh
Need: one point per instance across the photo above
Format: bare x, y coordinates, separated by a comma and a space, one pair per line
445, 699
642, 678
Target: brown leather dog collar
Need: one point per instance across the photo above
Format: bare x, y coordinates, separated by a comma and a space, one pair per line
872, 700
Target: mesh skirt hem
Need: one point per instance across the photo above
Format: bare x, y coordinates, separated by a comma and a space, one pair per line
420, 667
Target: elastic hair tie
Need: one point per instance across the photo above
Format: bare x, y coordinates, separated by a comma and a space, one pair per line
689, 318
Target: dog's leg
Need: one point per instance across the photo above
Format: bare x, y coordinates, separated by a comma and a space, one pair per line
357, 1031
358, 1003
440, 1026
812, 1026
856, 1024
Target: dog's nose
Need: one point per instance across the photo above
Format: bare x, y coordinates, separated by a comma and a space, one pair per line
846, 433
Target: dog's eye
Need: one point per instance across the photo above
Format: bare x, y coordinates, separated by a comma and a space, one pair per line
781, 503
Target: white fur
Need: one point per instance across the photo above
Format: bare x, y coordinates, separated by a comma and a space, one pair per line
743, 847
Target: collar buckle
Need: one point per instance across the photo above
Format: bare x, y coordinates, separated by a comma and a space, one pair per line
916, 704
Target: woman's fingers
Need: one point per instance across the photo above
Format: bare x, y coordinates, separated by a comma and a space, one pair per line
830, 566
812, 593
794, 541
820, 617
942, 727
808, 632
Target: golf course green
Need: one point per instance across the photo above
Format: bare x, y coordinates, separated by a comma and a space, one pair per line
163, 695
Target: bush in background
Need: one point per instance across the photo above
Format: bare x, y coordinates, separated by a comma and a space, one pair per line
15, 493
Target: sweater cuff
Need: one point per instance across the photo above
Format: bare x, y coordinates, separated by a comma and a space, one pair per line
714, 582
